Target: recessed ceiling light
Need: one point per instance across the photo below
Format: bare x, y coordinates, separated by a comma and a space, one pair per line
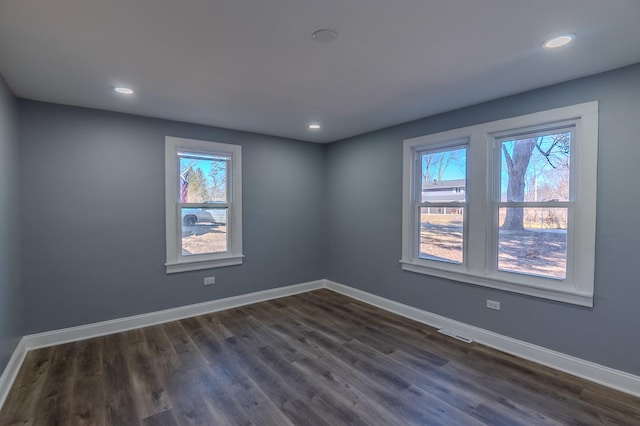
123, 90
324, 35
559, 41
314, 126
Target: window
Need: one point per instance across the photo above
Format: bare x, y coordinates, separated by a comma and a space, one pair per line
203, 204
508, 204
442, 204
533, 202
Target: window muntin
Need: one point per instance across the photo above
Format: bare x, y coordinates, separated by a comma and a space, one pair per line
203, 204
441, 204
564, 213
535, 208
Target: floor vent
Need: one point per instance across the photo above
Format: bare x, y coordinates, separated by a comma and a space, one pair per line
455, 335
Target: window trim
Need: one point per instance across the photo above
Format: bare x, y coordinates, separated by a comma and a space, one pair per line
578, 288
175, 262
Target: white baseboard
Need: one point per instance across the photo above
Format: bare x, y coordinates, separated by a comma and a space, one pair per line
11, 370
605, 376
591, 371
88, 331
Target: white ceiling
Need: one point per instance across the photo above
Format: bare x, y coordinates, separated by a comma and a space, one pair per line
252, 64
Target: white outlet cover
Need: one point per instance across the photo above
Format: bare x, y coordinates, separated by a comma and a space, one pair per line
209, 280
492, 304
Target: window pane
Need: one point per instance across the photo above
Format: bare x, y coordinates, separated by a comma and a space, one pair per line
441, 233
536, 168
444, 175
204, 231
539, 247
203, 179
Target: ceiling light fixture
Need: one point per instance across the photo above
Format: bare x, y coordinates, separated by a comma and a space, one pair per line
324, 35
559, 41
314, 126
123, 90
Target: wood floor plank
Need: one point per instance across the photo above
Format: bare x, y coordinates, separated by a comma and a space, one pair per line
371, 410
269, 382
166, 418
438, 411
380, 386
188, 399
317, 358
310, 390
213, 322
285, 394
54, 406
565, 406
163, 356
88, 399
446, 387
217, 395
149, 391
257, 406
21, 404
189, 354
323, 365
211, 347
370, 324
120, 405
611, 399
157, 341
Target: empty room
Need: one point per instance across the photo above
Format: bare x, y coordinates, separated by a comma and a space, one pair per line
280, 212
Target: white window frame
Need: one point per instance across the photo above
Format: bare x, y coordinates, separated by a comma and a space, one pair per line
481, 233
176, 262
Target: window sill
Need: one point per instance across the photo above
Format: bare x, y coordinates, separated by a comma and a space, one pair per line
560, 295
175, 267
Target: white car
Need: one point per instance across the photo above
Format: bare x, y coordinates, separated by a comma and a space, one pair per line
192, 216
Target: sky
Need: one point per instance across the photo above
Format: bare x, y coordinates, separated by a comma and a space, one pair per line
456, 168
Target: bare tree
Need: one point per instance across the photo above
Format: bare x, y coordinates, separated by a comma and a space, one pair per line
218, 176
427, 161
517, 164
441, 160
198, 192
553, 149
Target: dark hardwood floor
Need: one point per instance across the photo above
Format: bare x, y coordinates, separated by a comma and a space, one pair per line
317, 358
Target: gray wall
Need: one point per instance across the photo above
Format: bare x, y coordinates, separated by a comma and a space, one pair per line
92, 202
92, 205
11, 325
364, 180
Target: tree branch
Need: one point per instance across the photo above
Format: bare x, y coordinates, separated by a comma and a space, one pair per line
545, 155
508, 157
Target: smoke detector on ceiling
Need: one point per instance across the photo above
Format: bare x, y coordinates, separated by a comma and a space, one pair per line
324, 35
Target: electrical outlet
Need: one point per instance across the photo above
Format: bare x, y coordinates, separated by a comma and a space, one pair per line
492, 304
209, 280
